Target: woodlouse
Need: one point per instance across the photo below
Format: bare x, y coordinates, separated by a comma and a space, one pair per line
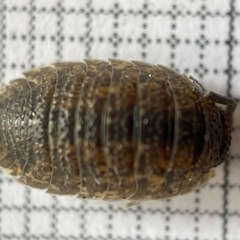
112, 130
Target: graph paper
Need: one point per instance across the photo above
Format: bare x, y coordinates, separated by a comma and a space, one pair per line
191, 36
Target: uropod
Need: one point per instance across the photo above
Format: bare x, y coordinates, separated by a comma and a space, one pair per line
112, 130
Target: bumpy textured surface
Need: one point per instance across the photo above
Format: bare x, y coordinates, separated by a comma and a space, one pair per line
112, 130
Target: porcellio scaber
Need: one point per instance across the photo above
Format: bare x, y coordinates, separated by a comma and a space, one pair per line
112, 130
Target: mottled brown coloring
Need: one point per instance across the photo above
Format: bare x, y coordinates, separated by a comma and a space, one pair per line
112, 130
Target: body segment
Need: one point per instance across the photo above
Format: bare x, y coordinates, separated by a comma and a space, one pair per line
112, 130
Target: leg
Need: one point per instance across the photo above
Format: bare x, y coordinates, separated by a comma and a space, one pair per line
230, 102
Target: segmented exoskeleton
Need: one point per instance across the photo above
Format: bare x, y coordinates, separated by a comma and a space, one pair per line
112, 130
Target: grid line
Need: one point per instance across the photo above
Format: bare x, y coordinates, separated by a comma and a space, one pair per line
31, 34
157, 12
2, 65
88, 27
229, 78
31, 39
60, 37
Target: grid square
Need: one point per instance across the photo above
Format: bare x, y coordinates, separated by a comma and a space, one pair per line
128, 229
180, 226
108, 39
17, 35
158, 51
233, 199
96, 224
151, 225
69, 224
13, 193
75, 39
216, 55
44, 45
209, 200
233, 227
130, 46
210, 227
17, 29
13, 222
40, 222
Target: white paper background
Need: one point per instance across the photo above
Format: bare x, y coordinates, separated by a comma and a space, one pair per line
196, 36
